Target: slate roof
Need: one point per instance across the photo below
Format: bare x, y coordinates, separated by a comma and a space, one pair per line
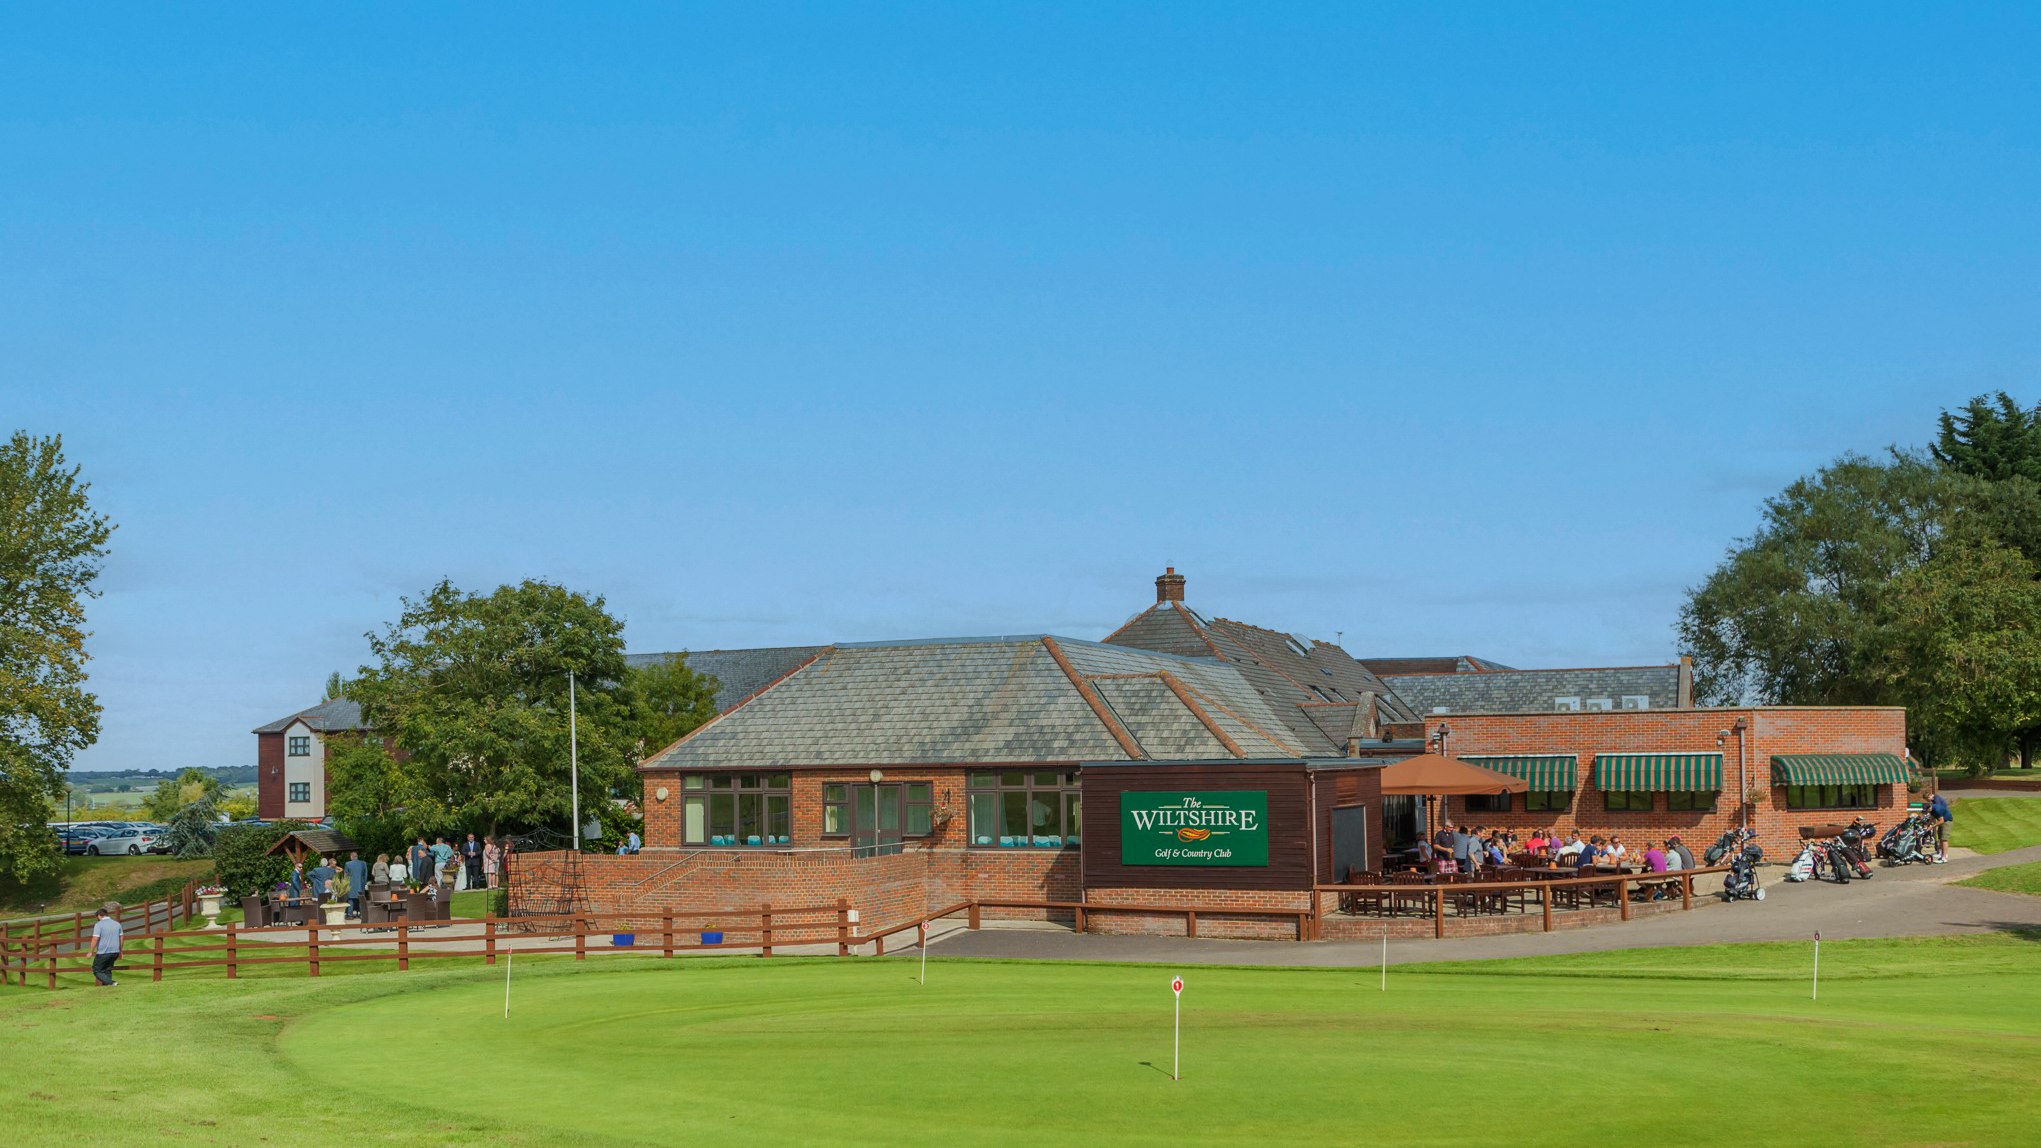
992, 699
1315, 687
338, 714
738, 673
1532, 691
1458, 664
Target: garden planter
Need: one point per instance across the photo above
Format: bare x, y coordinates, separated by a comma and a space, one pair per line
335, 912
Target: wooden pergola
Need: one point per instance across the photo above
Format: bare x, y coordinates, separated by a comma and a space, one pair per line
299, 844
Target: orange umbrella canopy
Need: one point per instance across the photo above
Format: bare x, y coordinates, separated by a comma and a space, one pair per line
1436, 774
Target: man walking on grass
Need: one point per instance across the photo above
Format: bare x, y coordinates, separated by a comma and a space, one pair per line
106, 933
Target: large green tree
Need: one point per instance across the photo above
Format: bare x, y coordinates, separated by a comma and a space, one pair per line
1963, 649
1992, 438
174, 793
668, 700
51, 547
474, 689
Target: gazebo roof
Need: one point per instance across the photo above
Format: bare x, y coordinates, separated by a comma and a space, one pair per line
324, 842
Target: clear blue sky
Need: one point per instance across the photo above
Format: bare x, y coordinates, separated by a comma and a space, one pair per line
1478, 331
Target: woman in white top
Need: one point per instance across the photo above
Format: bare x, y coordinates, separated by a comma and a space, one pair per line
400, 873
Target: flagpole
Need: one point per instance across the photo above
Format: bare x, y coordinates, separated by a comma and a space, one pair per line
574, 760
506, 982
1817, 967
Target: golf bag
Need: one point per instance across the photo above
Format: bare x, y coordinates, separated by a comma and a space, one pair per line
1802, 868
1913, 839
1741, 883
1724, 846
1851, 847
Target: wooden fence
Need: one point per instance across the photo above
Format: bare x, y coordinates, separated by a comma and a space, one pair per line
1616, 889
24, 936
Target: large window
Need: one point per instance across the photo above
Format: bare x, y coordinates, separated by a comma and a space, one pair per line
736, 809
1488, 803
1024, 807
300, 747
301, 791
1626, 801
915, 801
1548, 800
1691, 801
1831, 796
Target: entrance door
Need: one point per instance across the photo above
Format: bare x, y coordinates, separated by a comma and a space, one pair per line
1349, 840
875, 819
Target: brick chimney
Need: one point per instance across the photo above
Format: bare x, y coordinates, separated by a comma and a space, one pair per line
1169, 587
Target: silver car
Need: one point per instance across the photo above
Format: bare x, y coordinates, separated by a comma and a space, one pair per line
133, 840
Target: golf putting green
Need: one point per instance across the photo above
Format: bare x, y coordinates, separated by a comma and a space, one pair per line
1928, 1041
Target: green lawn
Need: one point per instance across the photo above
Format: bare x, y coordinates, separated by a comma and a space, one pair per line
2009, 879
1912, 1042
1996, 824
86, 882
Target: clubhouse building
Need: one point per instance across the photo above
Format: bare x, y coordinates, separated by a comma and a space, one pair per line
1187, 760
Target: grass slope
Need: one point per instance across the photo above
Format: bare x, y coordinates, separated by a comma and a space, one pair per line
1996, 824
1912, 1042
2009, 879
85, 882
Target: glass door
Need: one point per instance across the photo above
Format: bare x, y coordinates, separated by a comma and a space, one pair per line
876, 815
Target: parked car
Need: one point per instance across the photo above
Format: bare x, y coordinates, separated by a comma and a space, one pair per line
131, 840
77, 840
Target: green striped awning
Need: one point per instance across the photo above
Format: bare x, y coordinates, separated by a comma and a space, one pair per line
1657, 772
1546, 772
1840, 769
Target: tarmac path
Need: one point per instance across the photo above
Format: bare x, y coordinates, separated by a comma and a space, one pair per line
1906, 901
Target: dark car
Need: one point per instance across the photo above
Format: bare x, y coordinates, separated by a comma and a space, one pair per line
75, 841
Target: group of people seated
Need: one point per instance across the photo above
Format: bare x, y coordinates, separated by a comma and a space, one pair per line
1470, 850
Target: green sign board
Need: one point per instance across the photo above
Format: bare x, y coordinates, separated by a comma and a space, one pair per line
1225, 827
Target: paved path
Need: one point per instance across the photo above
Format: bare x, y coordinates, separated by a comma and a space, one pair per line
1912, 900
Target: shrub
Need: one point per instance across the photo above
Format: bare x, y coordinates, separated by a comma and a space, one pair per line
238, 857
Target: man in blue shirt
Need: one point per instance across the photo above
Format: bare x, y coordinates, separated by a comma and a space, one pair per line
106, 933
419, 857
1939, 810
632, 843
321, 877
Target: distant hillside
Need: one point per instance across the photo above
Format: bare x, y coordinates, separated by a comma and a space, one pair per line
144, 780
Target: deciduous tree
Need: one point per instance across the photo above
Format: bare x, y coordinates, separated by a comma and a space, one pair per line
668, 700
51, 547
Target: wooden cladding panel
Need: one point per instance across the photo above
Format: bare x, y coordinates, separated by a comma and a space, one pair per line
1289, 864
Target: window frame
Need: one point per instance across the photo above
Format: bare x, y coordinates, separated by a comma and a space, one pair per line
293, 789
769, 795
1629, 796
1540, 800
989, 790
298, 746
1870, 793
1690, 800
1488, 803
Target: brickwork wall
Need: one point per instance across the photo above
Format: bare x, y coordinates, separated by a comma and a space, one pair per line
269, 790
1210, 924
1771, 730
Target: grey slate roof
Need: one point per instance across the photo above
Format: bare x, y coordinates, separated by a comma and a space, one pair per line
1315, 687
997, 699
338, 714
738, 673
1530, 691
1456, 664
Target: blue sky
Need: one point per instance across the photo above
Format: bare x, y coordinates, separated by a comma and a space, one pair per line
1476, 330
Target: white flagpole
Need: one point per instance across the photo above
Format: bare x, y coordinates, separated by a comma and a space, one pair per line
924, 952
506, 982
1176, 1055
1385, 958
574, 760
1817, 967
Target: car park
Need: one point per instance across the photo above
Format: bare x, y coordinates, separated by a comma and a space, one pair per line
77, 840
132, 840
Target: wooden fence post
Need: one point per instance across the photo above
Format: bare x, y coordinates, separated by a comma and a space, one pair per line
1190, 922
1623, 896
1545, 903
156, 974
765, 930
580, 937
404, 947
666, 933
233, 953
1686, 890
53, 964
843, 926
312, 947
1438, 912
971, 917
489, 941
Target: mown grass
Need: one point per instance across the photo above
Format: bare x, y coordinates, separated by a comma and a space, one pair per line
2009, 879
1996, 824
1912, 1042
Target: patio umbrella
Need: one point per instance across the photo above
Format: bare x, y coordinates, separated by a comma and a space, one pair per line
1436, 775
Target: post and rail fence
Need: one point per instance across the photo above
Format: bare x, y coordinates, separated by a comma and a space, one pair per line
44, 949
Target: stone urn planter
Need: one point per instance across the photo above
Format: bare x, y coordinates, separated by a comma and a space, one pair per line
209, 908
335, 912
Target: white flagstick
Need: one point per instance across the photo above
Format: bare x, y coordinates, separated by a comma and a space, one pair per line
506, 982
924, 952
1385, 958
1176, 1056
1817, 966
